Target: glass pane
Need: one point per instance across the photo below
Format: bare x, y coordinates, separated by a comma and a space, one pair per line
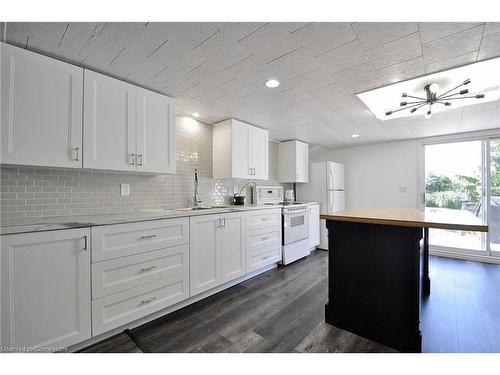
453, 180
495, 194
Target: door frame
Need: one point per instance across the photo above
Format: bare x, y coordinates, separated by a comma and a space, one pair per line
484, 135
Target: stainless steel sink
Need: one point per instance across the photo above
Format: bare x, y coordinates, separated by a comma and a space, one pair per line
198, 208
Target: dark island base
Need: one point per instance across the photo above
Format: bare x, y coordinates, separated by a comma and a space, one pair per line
374, 282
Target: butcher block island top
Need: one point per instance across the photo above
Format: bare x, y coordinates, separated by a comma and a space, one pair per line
441, 218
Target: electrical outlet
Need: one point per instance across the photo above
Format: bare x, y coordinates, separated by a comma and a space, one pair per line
124, 190
402, 189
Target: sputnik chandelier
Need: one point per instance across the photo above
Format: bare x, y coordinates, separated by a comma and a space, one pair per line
433, 98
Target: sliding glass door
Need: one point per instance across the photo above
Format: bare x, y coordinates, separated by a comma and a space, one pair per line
494, 192
465, 175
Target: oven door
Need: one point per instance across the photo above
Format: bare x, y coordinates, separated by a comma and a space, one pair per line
295, 226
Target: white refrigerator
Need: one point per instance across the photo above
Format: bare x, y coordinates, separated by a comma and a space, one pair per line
325, 186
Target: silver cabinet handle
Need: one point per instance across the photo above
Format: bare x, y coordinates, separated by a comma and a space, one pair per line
266, 257
217, 223
224, 222
85, 243
149, 300
148, 236
250, 171
147, 269
264, 219
254, 172
77, 150
265, 238
139, 156
131, 159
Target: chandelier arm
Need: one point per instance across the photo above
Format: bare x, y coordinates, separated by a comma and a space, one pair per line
463, 97
415, 97
410, 106
443, 94
448, 96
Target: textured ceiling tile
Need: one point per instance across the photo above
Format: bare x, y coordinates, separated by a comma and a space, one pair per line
17, 33
318, 37
294, 63
454, 45
356, 75
47, 32
191, 34
434, 30
210, 74
395, 52
312, 80
490, 46
172, 82
222, 49
451, 63
373, 34
272, 41
343, 57
492, 28
403, 71
239, 30
294, 26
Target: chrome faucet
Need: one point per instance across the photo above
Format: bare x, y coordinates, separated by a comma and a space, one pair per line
196, 199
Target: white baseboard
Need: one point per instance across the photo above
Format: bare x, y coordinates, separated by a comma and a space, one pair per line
464, 256
168, 310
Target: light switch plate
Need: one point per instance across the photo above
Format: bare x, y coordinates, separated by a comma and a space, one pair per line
402, 189
124, 190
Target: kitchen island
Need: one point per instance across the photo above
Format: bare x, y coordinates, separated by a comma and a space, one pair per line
378, 272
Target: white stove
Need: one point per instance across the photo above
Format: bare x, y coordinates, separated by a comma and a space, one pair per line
295, 219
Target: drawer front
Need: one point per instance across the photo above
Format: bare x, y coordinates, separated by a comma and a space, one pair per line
260, 238
260, 258
121, 308
116, 275
115, 241
257, 219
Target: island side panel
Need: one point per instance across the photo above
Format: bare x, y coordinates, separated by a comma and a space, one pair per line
374, 282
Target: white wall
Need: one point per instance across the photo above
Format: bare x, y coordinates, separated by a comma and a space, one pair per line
377, 175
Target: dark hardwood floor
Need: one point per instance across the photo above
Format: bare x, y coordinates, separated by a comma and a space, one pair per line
283, 311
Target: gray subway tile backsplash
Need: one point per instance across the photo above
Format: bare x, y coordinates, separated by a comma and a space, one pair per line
46, 192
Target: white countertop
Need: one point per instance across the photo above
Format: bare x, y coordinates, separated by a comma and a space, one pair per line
81, 221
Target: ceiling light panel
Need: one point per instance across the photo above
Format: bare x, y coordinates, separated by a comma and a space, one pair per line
484, 79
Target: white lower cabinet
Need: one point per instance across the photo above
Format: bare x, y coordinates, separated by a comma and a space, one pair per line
45, 289
124, 307
313, 225
263, 238
217, 250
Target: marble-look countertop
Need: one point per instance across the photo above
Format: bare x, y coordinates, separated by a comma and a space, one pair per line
82, 221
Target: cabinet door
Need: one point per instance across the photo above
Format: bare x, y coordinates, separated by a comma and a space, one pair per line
233, 246
204, 252
240, 143
313, 225
302, 155
259, 150
109, 123
45, 289
155, 132
41, 116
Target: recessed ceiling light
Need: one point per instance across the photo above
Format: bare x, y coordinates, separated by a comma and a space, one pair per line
196, 114
272, 83
355, 135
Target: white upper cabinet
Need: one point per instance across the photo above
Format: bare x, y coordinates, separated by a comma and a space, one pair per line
240, 150
41, 110
293, 161
127, 128
109, 130
155, 132
259, 153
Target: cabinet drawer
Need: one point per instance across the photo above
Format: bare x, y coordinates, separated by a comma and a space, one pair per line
115, 241
260, 258
263, 218
116, 275
121, 308
265, 237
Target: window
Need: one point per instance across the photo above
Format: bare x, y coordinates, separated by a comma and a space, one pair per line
464, 175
